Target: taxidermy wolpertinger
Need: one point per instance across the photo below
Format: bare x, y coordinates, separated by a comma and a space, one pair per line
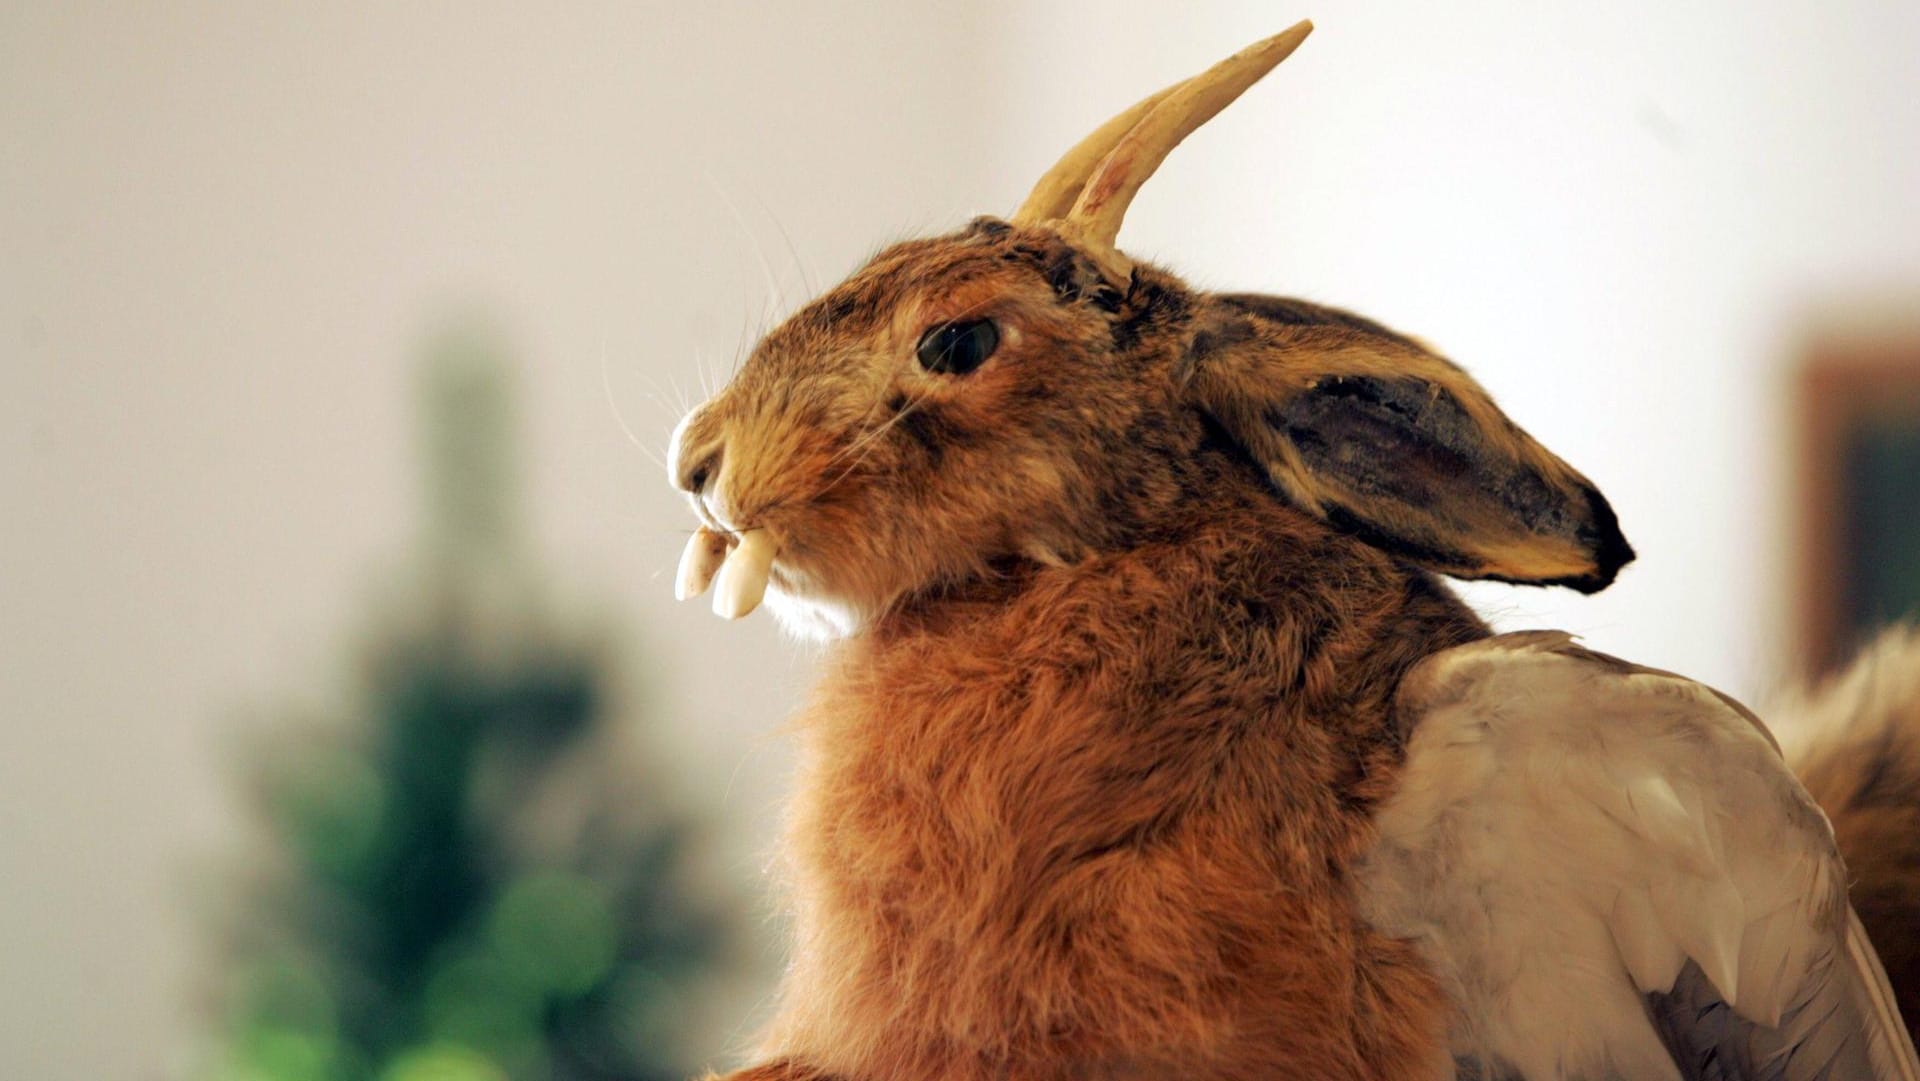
1151, 745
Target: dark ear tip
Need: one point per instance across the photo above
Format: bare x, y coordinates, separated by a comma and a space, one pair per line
1609, 546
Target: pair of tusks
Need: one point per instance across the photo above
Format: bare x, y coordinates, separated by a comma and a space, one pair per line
1085, 195
742, 563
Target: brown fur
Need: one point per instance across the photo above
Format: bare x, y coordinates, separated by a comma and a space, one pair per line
1863, 767
1100, 738
1094, 821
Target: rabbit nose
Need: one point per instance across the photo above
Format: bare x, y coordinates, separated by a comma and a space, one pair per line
693, 459
695, 469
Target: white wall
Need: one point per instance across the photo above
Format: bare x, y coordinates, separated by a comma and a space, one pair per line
225, 229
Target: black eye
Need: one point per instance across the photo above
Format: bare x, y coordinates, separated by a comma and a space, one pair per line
958, 348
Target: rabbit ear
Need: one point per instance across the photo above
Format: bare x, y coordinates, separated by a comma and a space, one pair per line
1378, 436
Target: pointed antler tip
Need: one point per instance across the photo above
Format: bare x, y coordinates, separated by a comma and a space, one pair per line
1110, 188
1282, 43
1087, 192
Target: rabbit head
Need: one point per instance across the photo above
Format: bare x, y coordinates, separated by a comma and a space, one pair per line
1020, 390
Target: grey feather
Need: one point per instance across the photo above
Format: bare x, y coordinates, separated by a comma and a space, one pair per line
1614, 874
1818, 1038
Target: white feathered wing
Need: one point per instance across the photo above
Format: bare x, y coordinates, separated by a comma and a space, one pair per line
1617, 876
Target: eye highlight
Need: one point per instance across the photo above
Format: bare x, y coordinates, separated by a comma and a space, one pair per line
958, 348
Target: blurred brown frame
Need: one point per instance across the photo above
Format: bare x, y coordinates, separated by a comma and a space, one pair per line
1843, 382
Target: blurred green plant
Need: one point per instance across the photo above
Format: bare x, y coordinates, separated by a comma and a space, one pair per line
468, 884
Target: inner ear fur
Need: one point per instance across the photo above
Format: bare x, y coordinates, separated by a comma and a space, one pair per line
1382, 438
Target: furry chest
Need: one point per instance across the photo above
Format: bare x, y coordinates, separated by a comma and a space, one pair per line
1026, 846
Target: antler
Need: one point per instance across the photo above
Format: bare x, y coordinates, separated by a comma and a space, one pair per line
1054, 195
1131, 146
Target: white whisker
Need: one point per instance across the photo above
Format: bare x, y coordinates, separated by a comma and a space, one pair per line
806, 280
606, 387
775, 295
